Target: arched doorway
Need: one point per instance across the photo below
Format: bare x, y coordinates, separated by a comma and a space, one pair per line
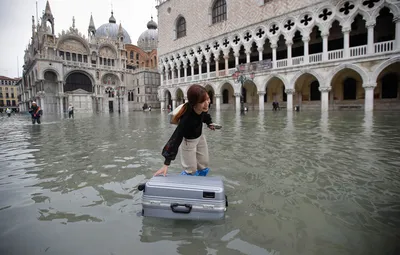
275, 91
78, 88
307, 92
387, 91
249, 95
168, 100
179, 97
211, 94
227, 92
78, 81
346, 90
51, 88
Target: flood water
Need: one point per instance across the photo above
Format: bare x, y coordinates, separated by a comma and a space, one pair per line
297, 183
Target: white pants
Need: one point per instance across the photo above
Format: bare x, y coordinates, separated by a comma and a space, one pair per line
194, 154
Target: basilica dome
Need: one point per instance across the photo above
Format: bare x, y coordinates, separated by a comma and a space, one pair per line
148, 40
110, 30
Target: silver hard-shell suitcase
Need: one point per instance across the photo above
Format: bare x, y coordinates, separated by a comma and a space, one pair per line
184, 197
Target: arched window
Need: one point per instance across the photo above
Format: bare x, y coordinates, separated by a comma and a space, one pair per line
181, 27
131, 54
219, 11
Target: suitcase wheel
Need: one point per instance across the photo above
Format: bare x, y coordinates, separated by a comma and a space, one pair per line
141, 187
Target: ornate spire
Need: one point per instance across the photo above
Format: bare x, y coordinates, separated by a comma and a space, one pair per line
48, 10
33, 26
73, 21
151, 24
92, 28
112, 19
120, 31
91, 22
47, 16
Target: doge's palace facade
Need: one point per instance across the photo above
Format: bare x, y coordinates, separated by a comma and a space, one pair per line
315, 54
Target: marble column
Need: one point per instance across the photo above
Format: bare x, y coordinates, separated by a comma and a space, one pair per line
216, 60
273, 47
306, 55
261, 95
397, 34
162, 77
208, 68
369, 96
324, 98
370, 45
236, 54
346, 42
226, 57
61, 105
199, 64
289, 103
173, 103
248, 52
289, 52
218, 102
325, 46
260, 53
185, 70
162, 106
237, 105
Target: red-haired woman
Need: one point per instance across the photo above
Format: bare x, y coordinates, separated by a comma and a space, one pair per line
188, 135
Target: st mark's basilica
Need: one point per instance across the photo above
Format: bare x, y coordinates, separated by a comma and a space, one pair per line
100, 72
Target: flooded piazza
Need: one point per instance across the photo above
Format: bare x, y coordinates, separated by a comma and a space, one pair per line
297, 183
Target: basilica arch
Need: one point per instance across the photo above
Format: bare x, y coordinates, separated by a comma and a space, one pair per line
78, 80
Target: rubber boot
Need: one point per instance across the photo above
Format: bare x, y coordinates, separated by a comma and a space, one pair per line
202, 172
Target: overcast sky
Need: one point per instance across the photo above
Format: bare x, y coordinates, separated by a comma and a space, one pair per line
16, 22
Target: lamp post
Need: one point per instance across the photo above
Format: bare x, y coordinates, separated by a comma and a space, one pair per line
239, 76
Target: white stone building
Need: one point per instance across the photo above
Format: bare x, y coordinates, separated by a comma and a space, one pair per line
93, 73
330, 54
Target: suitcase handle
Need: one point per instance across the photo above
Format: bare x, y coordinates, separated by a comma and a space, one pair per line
174, 208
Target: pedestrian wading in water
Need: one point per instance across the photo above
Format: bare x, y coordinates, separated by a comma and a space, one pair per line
188, 134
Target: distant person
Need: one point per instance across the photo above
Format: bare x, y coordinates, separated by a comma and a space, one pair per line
36, 112
70, 111
8, 111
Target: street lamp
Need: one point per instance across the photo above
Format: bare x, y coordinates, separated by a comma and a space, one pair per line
239, 76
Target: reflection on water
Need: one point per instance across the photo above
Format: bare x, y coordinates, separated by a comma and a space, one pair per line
298, 183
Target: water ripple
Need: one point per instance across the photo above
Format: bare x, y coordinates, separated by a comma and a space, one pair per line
297, 183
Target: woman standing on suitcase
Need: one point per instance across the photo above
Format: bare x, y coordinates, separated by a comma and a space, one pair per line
188, 135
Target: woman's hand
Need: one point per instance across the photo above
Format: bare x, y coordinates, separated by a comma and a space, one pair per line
211, 126
163, 170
